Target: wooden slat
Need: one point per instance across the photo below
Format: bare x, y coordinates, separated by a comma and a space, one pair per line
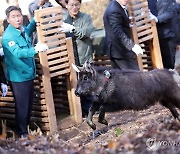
55, 50
59, 67
149, 37
142, 22
60, 72
56, 36
147, 32
48, 11
50, 25
52, 18
143, 27
58, 61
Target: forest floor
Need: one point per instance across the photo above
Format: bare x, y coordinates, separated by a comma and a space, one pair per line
148, 131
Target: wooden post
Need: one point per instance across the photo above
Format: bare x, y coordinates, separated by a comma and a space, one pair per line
47, 85
144, 33
155, 48
136, 41
73, 81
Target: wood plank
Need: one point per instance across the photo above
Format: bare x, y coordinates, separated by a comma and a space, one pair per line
56, 17
57, 73
56, 36
142, 22
143, 27
155, 48
59, 54
59, 67
146, 32
135, 39
149, 37
56, 50
58, 61
49, 11
73, 81
50, 25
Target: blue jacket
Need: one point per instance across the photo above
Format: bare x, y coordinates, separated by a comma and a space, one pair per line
19, 53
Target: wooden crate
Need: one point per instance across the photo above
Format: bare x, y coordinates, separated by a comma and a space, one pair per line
56, 64
144, 33
55, 81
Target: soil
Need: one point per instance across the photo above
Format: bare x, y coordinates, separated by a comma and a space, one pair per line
148, 131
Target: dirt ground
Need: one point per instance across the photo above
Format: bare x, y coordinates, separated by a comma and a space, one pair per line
148, 131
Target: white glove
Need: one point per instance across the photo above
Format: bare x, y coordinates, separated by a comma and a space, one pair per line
137, 49
4, 89
151, 16
41, 47
1, 52
66, 28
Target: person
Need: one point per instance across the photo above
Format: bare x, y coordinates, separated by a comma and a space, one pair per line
163, 11
176, 23
63, 4
3, 82
15, 3
79, 26
20, 65
36, 5
118, 44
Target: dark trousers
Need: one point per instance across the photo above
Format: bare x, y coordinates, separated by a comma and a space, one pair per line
167, 52
123, 64
23, 95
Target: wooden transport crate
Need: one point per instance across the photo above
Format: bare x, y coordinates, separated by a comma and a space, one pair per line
56, 80
144, 33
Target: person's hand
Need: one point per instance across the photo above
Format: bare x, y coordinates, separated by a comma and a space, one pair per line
4, 89
151, 16
137, 49
1, 52
66, 28
40, 47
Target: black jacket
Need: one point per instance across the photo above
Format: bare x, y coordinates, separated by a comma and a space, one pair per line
2, 76
118, 43
165, 13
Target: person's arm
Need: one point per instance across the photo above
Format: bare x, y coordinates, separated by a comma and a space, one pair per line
32, 7
168, 13
31, 27
12, 46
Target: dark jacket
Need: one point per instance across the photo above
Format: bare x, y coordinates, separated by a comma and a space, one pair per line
34, 6
165, 13
83, 28
2, 75
118, 43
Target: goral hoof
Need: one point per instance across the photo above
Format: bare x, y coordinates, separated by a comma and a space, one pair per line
103, 122
91, 124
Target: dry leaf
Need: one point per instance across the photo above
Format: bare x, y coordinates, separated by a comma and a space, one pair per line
112, 145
